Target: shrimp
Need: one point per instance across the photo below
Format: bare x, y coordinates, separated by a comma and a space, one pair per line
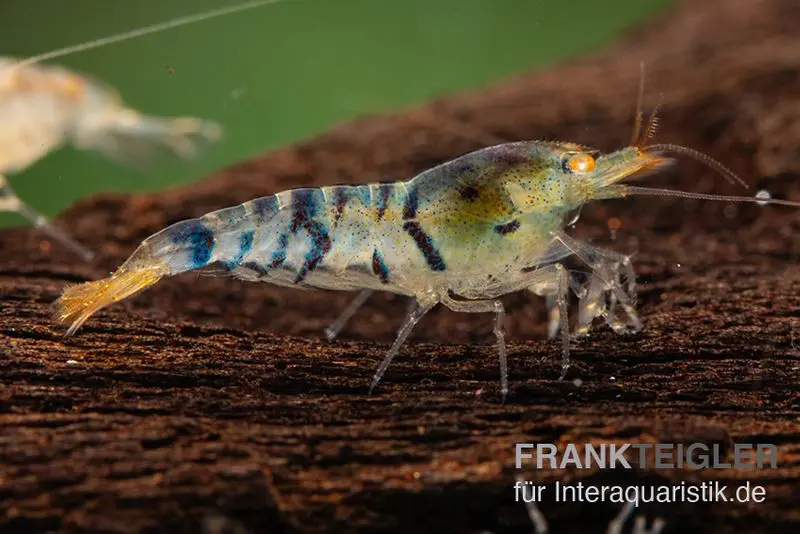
461, 234
42, 107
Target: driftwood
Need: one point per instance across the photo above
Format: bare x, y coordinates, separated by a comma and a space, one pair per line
211, 403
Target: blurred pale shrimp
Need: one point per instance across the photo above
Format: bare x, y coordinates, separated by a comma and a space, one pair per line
43, 107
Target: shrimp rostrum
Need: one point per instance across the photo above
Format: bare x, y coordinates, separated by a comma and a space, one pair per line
461, 234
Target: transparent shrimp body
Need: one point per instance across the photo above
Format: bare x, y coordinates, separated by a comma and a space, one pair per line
461, 234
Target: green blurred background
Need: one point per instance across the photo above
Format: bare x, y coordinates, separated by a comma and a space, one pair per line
283, 72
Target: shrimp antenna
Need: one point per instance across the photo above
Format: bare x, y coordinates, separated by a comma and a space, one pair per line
640, 135
651, 127
699, 156
637, 121
147, 30
627, 190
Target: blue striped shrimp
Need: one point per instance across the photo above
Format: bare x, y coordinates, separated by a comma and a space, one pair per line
42, 107
461, 234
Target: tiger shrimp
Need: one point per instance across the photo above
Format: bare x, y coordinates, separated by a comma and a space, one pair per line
42, 107
461, 234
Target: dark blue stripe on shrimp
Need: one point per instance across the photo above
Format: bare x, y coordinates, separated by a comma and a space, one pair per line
412, 202
425, 244
379, 267
384, 194
264, 207
279, 255
341, 195
306, 204
245, 244
320, 245
199, 238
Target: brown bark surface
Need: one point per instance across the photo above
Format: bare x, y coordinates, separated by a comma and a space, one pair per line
212, 403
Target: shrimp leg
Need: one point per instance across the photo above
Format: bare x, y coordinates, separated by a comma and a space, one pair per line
552, 280
556, 291
424, 304
487, 306
10, 202
612, 277
336, 326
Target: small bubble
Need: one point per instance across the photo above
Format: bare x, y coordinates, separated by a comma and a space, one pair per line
613, 378
730, 211
678, 265
763, 195
577, 382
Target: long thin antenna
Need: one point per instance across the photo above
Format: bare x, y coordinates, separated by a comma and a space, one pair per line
699, 156
652, 191
147, 30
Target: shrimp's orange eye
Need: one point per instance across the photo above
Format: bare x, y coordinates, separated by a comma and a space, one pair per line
579, 163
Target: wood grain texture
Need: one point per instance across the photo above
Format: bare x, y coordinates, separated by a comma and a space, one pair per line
209, 398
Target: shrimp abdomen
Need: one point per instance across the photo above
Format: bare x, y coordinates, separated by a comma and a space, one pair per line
341, 237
